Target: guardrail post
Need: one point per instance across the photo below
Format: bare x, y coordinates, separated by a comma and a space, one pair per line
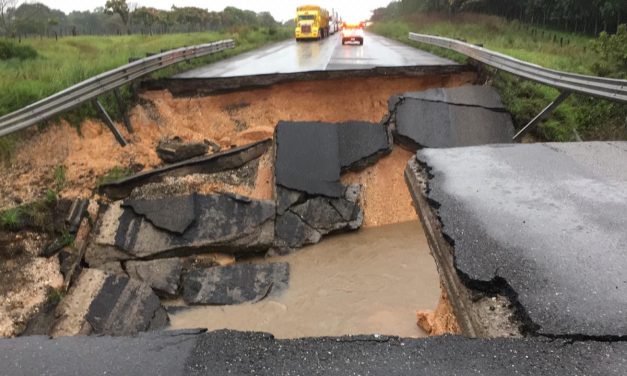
109, 123
542, 115
122, 109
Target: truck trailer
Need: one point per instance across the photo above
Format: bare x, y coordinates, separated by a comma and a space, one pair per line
312, 22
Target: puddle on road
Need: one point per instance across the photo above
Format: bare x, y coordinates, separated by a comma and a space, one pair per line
370, 281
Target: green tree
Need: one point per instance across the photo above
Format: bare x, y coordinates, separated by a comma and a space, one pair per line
121, 8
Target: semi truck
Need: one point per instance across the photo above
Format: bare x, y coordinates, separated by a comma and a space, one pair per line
312, 22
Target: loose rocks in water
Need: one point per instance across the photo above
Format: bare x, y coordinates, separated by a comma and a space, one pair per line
223, 223
162, 275
440, 118
234, 284
176, 150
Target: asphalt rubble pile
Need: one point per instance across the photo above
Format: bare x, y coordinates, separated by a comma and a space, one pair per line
145, 247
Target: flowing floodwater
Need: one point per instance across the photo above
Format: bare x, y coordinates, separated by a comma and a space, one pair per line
367, 282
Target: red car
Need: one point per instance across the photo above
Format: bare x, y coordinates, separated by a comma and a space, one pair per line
353, 33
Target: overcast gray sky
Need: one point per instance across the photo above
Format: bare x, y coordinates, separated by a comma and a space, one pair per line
354, 10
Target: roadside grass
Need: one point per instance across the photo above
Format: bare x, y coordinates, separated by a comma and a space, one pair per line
115, 174
70, 60
592, 119
11, 219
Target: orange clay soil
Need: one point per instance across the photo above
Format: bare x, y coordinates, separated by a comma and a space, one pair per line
385, 198
441, 321
225, 118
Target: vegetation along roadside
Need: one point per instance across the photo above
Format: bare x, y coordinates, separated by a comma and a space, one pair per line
36, 62
605, 55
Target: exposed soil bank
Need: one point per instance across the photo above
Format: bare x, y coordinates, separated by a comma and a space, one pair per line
25, 279
220, 118
371, 281
441, 321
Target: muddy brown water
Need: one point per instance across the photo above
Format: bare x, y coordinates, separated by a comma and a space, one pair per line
368, 282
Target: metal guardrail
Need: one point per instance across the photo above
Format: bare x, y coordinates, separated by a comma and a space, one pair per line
600, 87
606, 88
90, 89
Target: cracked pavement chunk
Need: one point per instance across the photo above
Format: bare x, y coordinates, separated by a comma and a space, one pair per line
224, 223
174, 214
440, 118
311, 155
547, 219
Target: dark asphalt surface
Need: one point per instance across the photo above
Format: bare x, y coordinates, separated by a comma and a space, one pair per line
311, 155
549, 219
237, 353
329, 54
440, 118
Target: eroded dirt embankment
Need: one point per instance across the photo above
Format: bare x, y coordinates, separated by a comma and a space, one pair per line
229, 120
220, 118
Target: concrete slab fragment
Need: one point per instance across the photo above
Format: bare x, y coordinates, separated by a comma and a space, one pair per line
234, 284
548, 220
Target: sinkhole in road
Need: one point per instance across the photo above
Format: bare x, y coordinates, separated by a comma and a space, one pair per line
370, 281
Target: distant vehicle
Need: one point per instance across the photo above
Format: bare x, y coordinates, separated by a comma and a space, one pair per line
312, 22
352, 33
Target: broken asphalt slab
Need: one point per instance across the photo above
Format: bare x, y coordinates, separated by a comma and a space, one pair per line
545, 222
441, 118
102, 303
234, 284
238, 353
217, 162
311, 155
223, 223
303, 220
174, 214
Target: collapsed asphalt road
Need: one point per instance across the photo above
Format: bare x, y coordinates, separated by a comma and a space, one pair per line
239, 353
543, 224
329, 54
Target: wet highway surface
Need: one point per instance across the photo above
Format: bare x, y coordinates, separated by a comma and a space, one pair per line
549, 220
237, 353
329, 54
